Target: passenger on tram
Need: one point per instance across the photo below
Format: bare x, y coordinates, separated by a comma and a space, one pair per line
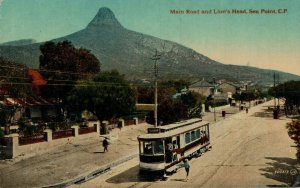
148, 149
203, 137
169, 152
175, 146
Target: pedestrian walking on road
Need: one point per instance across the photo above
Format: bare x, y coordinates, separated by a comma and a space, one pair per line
246, 110
105, 144
120, 125
186, 166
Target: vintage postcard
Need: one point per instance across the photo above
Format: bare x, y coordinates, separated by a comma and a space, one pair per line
149, 93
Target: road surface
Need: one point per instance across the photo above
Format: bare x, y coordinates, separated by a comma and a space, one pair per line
248, 150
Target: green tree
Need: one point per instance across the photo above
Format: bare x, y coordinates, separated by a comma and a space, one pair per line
145, 95
178, 85
247, 96
1, 133
169, 111
190, 99
294, 133
290, 92
172, 110
62, 65
236, 96
260, 94
193, 101
107, 95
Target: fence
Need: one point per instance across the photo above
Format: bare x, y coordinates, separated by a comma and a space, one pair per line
86, 130
62, 134
129, 122
32, 139
211, 109
114, 121
14, 144
141, 121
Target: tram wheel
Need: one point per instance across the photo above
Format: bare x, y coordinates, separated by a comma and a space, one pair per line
198, 154
164, 178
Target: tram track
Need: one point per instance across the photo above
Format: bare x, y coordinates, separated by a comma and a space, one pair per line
217, 140
140, 185
240, 150
233, 152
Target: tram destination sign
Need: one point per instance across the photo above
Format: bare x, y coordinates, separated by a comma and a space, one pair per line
153, 130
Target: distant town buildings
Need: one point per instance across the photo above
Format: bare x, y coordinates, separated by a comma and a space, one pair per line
221, 89
204, 88
226, 87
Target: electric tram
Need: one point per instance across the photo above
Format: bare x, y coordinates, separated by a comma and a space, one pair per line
162, 148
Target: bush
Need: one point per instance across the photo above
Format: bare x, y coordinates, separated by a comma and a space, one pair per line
220, 102
1, 133
169, 111
215, 103
138, 114
294, 133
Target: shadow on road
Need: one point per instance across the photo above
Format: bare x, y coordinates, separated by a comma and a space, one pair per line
267, 113
131, 175
263, 114
282, 170
178, 180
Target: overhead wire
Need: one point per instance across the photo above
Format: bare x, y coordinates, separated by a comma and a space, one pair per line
148, 70
145, 70
86, 74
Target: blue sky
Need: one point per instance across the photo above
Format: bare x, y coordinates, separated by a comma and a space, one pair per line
264, 40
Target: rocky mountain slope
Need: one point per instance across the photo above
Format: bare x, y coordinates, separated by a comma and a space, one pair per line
130, 52
19, 42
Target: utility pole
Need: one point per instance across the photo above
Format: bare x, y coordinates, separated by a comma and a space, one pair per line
278, 84
214, 82
274, 90
155, 58
215, 110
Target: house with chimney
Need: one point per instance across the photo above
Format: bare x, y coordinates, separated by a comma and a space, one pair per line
204, 88
226, 87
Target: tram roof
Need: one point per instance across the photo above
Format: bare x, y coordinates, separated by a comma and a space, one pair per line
192, 124
179, 124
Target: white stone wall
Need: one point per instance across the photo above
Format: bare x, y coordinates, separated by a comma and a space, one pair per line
218, 108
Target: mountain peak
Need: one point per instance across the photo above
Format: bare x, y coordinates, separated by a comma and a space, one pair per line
104, 17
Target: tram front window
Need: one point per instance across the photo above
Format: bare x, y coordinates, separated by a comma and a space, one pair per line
158, 147
152, 147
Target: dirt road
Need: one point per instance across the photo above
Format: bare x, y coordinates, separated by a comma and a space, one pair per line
249, 150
